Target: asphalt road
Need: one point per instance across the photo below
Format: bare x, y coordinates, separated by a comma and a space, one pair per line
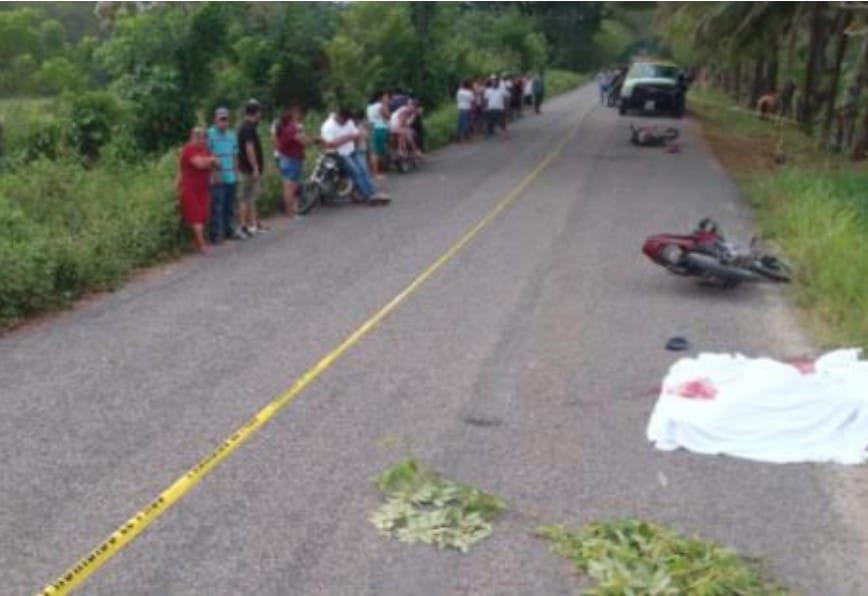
527, 366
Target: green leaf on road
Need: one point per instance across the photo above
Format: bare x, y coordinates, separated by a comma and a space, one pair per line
423, 507
630, 556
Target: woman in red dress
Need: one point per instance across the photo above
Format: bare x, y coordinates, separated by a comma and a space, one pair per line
194, 179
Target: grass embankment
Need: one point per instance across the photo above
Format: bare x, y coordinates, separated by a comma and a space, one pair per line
813, 206
66, 229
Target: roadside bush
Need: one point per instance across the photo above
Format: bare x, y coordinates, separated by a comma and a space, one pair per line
41, 136
441, 126
122, 148
16, 116
92, 118
65, 230
25, 265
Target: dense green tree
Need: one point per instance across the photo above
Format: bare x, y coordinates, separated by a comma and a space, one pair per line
163, 61
51, 38
78, 18
299, 66
384, 34
16, 77
58, 74
18, 34
164, 113
803, 51
569, 29
352, 72
174, 62
93, 116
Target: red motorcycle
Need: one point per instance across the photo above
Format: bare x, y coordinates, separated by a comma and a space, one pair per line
706, 254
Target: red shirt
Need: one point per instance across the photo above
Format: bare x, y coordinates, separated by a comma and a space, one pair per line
194, 181
287, 141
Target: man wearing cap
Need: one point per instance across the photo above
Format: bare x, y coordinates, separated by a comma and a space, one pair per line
250, 164
224, 145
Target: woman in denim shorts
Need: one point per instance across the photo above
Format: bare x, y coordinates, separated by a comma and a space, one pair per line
290, 146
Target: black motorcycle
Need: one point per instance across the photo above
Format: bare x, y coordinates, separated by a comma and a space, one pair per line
328, 182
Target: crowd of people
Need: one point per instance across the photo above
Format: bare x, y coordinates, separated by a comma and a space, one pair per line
221, 168
487, 105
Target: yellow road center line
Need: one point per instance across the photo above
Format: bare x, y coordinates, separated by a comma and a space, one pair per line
99, 556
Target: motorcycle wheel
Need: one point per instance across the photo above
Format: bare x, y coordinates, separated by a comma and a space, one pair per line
345, 187
772, 268
310, 195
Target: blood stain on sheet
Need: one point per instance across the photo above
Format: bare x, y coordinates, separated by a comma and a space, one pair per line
695, 389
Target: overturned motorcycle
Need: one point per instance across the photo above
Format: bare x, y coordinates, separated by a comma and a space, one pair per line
652, 136
707, 255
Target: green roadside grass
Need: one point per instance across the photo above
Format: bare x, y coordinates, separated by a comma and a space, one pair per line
67, 229
813, 207
561, 81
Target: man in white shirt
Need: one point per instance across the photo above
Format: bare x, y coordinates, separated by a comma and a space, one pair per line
464, 99
339, 132
495, 103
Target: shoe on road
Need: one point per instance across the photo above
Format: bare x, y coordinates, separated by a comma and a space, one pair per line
379, 199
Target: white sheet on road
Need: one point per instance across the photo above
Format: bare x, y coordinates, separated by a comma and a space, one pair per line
765, 410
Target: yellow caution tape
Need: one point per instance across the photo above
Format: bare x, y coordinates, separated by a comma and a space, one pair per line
125, 534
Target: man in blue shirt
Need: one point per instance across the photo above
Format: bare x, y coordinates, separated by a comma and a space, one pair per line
224, 145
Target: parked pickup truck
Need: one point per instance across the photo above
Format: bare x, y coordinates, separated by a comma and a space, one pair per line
653, 86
